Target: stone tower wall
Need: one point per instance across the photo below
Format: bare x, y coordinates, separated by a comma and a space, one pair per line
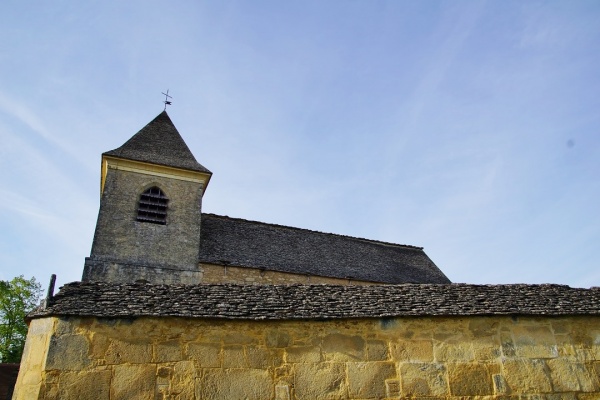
125, 250
472, 357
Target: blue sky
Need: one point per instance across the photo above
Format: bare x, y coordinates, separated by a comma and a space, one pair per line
470, 128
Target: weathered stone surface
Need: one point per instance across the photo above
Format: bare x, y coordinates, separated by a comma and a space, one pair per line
49, 391
284, 373
277, 339
572, 376
68, 352
133, 381
413, 350
534, 342
507, 344
487, 348
587, 396
561, 396
92, 385
303, 354
282, 392
340, 347
216, 274
561, 326
251, 384
594, 369
28, 392
564, 375
500, 385
163, 379
469, 379
423, 379
320, 381
205, 354
65, 325
263, 358
238, 338
527, 376
392, 388
41, 327
183, 380
187, 358
366, 380
30, 377
35, 351
170, 350
377, 350
483, 327
456, 350
120, 352
234, 357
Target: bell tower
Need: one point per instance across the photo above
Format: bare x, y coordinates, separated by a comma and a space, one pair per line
148, 225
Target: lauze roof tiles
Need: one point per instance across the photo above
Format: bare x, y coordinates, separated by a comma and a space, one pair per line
281, 302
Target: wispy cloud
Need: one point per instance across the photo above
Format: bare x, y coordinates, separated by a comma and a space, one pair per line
28, 117
446, 42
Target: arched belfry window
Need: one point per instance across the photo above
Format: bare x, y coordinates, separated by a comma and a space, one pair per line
152, 206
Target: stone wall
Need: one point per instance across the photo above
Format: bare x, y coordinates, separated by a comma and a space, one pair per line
479, 357
123, 247
241, 275
119, 272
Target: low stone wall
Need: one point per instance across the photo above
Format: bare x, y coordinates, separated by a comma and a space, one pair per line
482, 357
118, 272
212, 273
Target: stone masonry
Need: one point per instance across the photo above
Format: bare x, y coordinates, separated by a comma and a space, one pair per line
217, 274
456, 341
127, 250
493, 357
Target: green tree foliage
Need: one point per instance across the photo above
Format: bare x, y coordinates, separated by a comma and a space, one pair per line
17, 298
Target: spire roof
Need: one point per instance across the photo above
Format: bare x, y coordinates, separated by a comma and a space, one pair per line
159, 142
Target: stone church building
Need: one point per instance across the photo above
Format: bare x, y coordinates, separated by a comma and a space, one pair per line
150, 227
175, 303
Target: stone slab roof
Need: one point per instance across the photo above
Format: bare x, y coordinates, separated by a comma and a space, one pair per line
159, 142
238, 242
280, 302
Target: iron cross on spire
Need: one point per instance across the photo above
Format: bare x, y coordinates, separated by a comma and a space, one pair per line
166, 101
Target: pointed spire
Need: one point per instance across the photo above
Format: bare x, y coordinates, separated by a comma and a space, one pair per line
159, 142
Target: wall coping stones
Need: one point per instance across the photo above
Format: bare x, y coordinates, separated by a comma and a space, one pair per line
286, 302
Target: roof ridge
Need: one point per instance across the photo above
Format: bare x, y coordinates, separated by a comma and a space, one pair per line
314, 231
436, 286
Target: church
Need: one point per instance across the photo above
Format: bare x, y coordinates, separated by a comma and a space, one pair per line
179, 304
151, 228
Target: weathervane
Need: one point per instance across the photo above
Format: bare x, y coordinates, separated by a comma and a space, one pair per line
167, 97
